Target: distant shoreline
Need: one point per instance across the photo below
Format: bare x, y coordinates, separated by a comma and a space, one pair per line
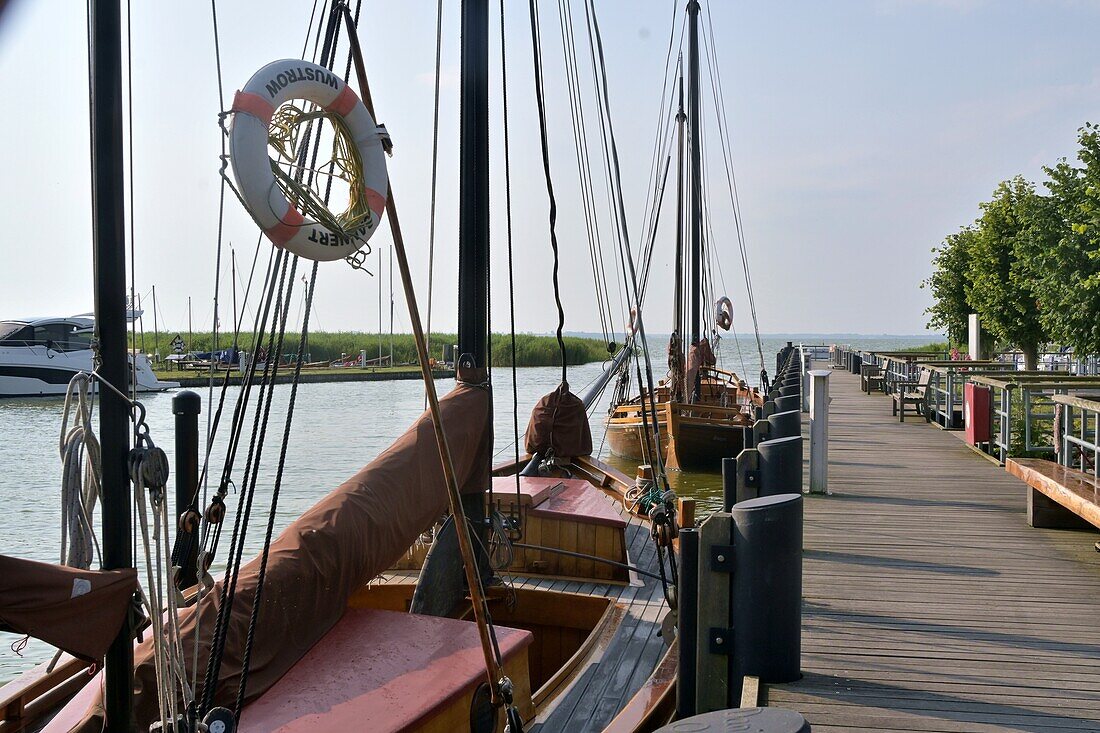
352, 346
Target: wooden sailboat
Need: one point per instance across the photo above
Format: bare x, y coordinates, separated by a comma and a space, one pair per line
305, 636
700, 410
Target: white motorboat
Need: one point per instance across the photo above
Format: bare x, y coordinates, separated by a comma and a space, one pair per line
40, 356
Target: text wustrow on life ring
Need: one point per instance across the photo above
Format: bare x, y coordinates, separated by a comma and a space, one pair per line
290, 76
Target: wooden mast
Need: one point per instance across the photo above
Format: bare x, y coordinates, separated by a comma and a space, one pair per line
678, 317
109, 246
694, 127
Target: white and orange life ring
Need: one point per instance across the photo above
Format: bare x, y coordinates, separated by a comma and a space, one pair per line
270, 87
723, 313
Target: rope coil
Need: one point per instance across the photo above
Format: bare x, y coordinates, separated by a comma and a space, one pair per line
285, 136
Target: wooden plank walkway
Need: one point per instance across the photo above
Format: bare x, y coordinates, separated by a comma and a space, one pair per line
929, 604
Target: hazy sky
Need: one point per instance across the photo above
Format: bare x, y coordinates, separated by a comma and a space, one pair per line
863, 131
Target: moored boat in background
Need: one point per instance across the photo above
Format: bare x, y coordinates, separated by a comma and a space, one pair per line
40, 356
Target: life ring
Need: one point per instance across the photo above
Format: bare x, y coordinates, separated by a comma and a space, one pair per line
723, 313
284, 225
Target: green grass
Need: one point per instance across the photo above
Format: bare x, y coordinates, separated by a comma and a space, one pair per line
531, 350
939, 347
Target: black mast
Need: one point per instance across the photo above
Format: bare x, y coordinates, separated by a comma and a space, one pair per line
473, 206
473, 220
109, 245
696, 183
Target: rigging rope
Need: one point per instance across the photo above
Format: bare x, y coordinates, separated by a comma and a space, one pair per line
511, 272
80, 477
584, 172
663, 515
435, 166
282, 297
536, 48
285, 138
149, 474
731, 179
611, 151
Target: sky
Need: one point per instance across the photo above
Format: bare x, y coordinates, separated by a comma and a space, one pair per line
862, 132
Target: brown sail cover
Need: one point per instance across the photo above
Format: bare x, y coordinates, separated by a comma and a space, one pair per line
559, 425
349, 537
78, 611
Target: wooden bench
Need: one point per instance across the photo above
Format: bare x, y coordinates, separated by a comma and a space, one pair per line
912, 393
866, 371
1058, 497
875, 376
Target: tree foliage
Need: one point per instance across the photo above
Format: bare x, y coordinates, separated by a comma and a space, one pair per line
948, 284
1066, 268
1029, 266
1000, 265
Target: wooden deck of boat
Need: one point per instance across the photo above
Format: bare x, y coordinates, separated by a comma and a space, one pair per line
597, 695
603, 689
929, 604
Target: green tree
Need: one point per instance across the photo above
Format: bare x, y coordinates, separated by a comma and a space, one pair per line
1000, 270
948, 284
1066, 271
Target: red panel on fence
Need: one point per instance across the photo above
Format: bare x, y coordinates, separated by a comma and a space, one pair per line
976, 413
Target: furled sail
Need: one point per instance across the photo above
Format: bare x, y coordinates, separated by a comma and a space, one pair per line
78, 611
349, 537
559, 425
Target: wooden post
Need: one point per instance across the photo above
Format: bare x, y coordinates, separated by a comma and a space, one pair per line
714, 637
686, 513
672, 421
748, 475
761, 430
687, 622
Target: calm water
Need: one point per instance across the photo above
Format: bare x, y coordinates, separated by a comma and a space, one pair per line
337, 428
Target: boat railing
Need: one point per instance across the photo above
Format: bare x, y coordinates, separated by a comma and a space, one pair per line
1023, 412
1079, 430
50, 345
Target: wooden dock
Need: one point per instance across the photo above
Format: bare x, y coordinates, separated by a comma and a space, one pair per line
929, 604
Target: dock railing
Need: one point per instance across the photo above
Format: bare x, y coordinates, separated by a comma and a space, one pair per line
1023, 413
1079, 425
947, 385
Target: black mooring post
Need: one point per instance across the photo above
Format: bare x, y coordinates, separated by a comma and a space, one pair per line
729, 483
767, 588
787, 403
785, 424
780, 465
186, 406
687, 622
